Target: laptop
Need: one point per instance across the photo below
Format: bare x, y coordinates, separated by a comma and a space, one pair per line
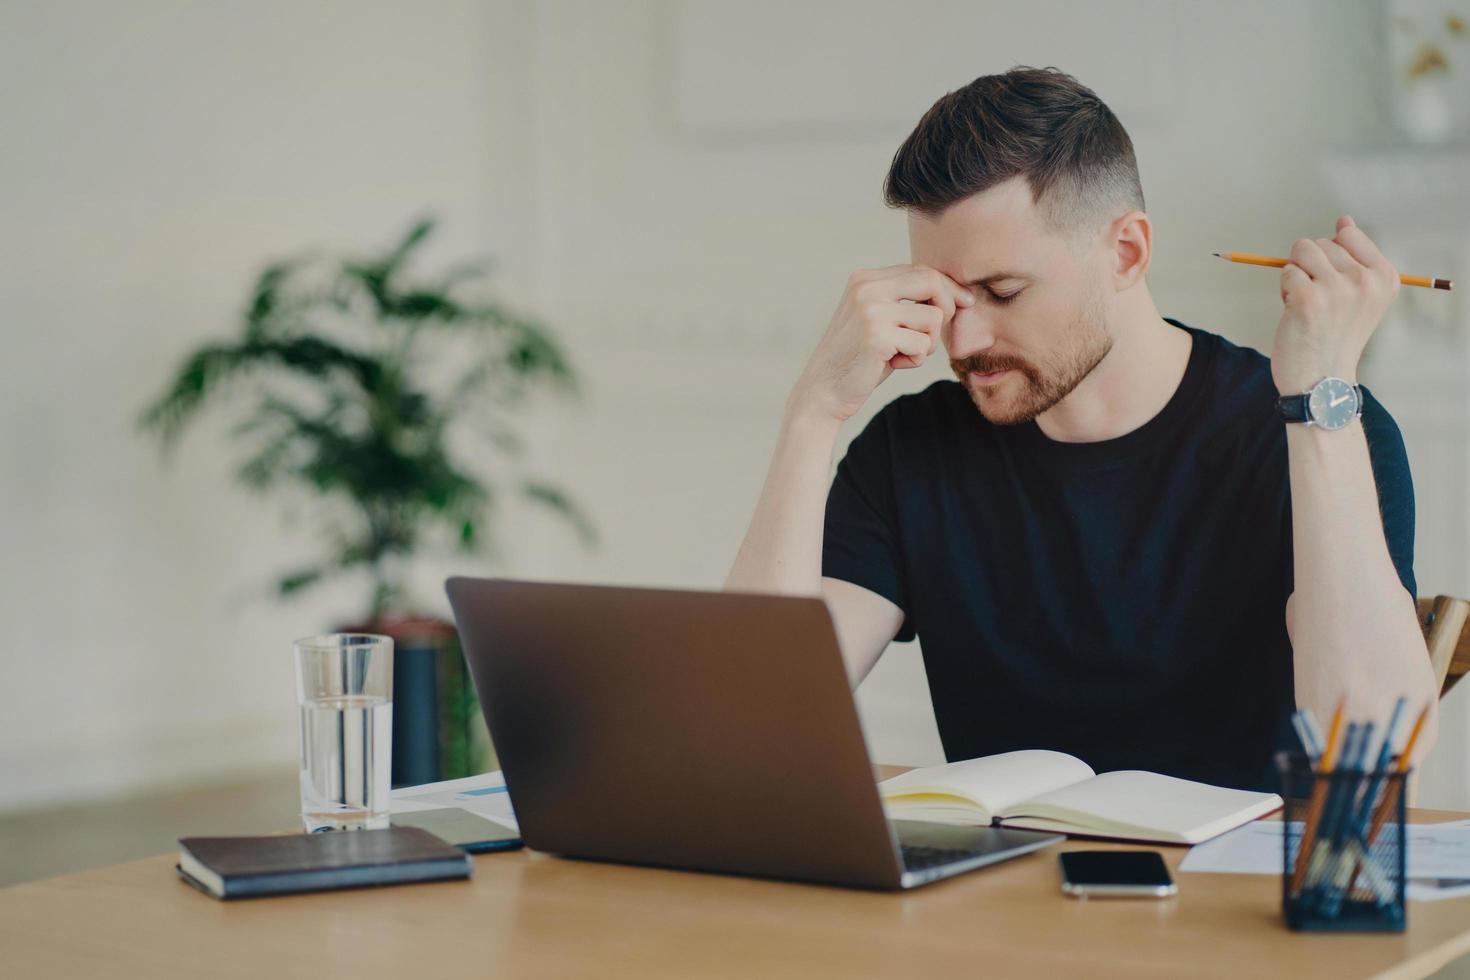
708, 731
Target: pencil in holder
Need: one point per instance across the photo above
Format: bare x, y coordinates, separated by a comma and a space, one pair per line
1344, 847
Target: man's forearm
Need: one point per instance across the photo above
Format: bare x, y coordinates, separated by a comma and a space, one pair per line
1355, 631
782, 550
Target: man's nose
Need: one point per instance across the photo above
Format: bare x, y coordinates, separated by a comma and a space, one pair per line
970, 332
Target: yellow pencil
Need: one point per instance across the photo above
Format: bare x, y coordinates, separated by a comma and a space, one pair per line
1319, 790
1429, 282
1391, 792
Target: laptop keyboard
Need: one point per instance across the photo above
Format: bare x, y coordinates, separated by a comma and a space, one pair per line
919, 858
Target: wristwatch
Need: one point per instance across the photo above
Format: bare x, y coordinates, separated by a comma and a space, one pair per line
1330, 404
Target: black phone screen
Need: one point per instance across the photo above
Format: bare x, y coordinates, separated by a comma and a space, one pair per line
1115, 868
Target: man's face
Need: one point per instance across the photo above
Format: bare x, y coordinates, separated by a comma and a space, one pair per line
1021, 356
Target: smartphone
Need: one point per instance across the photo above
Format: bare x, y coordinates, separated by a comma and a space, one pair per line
1141, 874
465, 830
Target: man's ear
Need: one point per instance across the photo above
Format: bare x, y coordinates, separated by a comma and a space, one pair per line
1131, 245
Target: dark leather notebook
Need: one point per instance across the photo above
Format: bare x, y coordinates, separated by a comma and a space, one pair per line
239, 867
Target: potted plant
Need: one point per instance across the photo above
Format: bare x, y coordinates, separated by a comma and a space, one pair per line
357, 378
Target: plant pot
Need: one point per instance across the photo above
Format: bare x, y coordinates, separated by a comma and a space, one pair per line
438, 732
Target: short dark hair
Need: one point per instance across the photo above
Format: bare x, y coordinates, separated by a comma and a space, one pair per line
1040, 122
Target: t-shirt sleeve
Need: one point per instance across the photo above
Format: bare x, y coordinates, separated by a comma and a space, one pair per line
860, 537
1390, 464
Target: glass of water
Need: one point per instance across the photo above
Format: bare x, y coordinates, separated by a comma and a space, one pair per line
344, 684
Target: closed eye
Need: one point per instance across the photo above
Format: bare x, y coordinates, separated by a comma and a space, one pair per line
1003, 298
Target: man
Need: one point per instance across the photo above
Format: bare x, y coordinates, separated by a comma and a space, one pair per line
1110, 537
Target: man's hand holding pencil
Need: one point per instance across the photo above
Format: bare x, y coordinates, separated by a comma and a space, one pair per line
1335, 291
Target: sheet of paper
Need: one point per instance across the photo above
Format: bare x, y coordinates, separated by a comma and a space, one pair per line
1436, 889
1436, 851
1254, 849
484, 794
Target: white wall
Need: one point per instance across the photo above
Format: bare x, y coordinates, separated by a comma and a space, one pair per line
154, 155
685, 217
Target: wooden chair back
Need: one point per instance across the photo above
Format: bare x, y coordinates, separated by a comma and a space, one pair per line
1443, 619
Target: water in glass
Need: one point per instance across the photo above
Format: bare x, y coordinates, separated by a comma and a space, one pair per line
346, 749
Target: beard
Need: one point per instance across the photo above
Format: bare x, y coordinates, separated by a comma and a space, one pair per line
1034, 388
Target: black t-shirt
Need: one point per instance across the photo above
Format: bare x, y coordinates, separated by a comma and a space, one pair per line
1123, 601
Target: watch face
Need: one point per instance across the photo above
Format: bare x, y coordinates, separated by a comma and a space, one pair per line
1333, 403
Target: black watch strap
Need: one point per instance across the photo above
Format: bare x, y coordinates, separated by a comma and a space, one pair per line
1293, 408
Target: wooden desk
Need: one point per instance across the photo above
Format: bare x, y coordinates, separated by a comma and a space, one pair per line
531, 915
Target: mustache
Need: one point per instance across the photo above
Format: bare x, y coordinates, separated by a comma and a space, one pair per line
988, 364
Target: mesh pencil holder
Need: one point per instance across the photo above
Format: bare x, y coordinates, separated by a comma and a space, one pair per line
1343, 848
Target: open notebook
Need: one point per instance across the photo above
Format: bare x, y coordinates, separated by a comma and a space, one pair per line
1036, 789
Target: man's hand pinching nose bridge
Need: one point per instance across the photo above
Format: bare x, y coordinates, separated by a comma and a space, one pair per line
950, 301
887, 319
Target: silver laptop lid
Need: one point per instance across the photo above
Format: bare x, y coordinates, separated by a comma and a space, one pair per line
704, 730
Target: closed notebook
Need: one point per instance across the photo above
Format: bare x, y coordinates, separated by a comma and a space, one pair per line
239, 867
1037, 789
